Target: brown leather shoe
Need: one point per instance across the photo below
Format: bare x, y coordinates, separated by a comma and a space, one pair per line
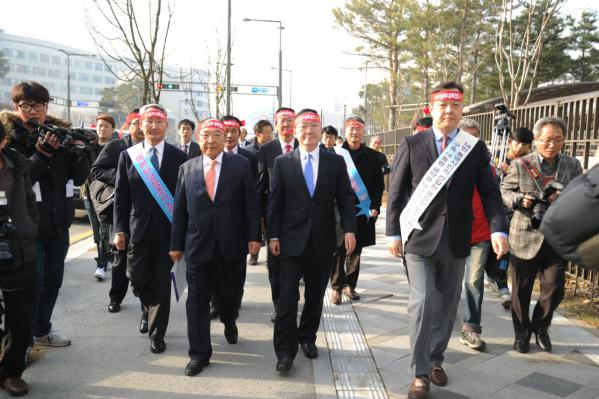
15, 386
419, 388
336, 297
351, 293
438, 376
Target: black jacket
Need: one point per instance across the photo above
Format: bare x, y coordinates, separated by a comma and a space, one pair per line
107, 162
56, 209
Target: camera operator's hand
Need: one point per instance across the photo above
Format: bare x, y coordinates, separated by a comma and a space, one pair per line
48, 145
527, 201
120, 242
504, 167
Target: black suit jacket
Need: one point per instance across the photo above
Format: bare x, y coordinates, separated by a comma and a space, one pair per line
135, 210
230, 222
105, 165
194, 150
266, 162
453, 203
252, 158
294, 216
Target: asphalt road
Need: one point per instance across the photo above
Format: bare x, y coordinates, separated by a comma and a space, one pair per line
80, 228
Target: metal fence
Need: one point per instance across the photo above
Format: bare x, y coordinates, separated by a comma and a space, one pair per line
581, 114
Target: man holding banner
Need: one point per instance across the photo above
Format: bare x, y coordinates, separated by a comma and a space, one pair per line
365, 170
216, 224
146, 179
429, 215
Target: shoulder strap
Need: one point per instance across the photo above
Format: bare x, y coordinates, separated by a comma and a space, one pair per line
533, 172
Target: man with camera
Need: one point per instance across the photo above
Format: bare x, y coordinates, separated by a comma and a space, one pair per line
18, 229
58, 164
532, 183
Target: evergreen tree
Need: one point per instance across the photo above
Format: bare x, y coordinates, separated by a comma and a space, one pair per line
585, 42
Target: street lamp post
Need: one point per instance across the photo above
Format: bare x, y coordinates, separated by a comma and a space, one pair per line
280, 91
290, 82
69, 54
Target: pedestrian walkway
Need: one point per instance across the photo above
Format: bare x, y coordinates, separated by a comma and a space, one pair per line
364, 348
570, 371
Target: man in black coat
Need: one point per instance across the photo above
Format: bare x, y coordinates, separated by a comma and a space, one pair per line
54, 173
284, 120
436, 250
370, 168
144, 224
307, 183
215, 223
104, 169
186, 144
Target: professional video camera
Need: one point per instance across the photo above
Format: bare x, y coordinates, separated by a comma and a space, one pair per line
503, 120
67, 138
542, 202
6, 231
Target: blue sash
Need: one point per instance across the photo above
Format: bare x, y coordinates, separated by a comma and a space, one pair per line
357, 184
152, 179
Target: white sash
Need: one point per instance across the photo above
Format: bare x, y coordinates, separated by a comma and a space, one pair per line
433, 181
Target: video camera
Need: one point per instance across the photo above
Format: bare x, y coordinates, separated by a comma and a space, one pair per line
542, 202
503, 118
7, 229
67, 138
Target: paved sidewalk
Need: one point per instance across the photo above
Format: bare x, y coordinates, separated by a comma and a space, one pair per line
571, 371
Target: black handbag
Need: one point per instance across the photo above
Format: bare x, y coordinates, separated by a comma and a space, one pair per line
102, 196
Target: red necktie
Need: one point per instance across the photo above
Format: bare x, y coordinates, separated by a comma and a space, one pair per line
287, 148
444, 141
209, 179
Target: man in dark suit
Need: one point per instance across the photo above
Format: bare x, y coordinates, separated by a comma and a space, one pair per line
263, 134
284, 121
216, 224
104, 169
186, 144
141, 222
436, 250
232, 146
306, 185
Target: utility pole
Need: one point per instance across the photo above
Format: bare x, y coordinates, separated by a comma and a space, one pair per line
228, 92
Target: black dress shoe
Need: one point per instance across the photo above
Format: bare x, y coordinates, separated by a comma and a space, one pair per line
143, 324
15, 386
114, 307
284, 364
521, 346
310, 350
195, 367
157, 345
273, 316
231, 333
543, 341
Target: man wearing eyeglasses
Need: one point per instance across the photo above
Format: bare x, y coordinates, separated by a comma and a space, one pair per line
53, 175
524, 189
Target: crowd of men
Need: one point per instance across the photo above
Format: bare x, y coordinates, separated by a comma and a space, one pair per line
309, 195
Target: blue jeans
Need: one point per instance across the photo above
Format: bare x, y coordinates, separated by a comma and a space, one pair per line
101, 235
51, 253
474, 285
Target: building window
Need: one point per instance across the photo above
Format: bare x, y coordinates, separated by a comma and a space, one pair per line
109, 80
99, 92
37, 71
86, 90
84, 77
21, 54
77, 63
56, 60
7, 52
32, 56
45, 58
97, 79
99, 66
55, 73
25, 69
89, 65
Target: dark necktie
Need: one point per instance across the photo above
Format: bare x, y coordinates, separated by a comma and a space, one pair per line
444, 142
187, 149
154, 159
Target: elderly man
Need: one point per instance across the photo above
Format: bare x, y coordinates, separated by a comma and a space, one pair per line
146, 179
430, 197
215, 223
307, 183
532, 183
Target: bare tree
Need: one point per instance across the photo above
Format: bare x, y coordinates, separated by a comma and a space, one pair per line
217, 76
517, 53
139, 46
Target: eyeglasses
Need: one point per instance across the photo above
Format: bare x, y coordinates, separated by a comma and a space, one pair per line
25, 107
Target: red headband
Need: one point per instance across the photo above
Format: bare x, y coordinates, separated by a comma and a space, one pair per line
212, 124
231, 123
153, 113
131, 117
447, 95
285, 113
308, 117
354, 122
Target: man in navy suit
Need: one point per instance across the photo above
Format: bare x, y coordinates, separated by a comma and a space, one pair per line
436, 250
215, 224
141, 222
307, 183
186, 144
286, 143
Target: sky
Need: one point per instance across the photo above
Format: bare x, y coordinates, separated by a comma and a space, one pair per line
324, 76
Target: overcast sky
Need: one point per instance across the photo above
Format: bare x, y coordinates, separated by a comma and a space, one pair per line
313, 48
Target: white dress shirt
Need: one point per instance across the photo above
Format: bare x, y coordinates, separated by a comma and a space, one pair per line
183, 145
315, 158
219, 162
234, 150
284, 144
159, 151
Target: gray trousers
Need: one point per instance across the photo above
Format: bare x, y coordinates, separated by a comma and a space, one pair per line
435, 287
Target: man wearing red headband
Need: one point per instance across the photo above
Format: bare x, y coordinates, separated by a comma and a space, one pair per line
307, 183
216, 224
284, 122
141, 223
232, 134
368, 162
437, 247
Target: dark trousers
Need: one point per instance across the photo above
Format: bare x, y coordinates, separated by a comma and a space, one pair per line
51, 253
119, 283
149, 269
346, 269
19, 305
101, 235
315, 270
224, 279
552, 269
273, 263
